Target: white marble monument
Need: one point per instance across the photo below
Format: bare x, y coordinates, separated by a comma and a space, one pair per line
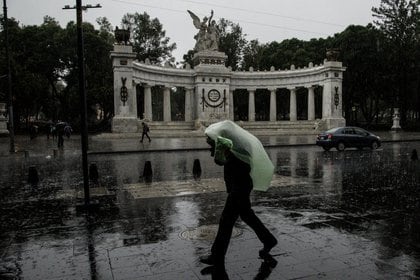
210, 88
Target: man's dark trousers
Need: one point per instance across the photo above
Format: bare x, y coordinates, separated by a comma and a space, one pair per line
238, 205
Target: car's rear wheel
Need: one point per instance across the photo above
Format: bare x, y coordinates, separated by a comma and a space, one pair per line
341, 146
374, 145
326, 148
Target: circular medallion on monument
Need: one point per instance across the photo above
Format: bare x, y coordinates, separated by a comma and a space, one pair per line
213, 95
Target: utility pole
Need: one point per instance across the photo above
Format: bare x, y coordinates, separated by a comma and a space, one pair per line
82, 93
9, 79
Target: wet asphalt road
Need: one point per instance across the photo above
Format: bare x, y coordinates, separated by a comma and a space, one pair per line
343, 215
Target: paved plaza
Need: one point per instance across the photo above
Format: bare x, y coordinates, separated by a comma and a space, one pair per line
349, 215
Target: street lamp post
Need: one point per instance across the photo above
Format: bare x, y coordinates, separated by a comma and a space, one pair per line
9, 79
82, 95
83, 106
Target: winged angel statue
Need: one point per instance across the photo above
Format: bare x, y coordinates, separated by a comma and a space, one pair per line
208, 35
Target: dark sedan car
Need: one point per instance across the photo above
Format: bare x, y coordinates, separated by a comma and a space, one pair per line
347, 137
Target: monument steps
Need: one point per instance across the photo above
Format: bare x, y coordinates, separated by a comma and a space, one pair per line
279, 125
181, 129
171, 126
187, 129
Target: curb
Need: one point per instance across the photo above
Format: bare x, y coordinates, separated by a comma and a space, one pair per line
205, 148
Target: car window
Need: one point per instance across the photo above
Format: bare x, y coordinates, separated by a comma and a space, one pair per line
333, 130
361, 132
348, 131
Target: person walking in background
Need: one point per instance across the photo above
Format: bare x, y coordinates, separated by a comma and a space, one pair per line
145, 131
53, 131
60, 133
68, 130
60, 142
33, 131
48, 129
246, 166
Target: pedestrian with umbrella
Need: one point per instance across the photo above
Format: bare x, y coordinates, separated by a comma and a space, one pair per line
246, 167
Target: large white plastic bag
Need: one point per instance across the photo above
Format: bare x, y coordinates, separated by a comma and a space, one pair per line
247, 148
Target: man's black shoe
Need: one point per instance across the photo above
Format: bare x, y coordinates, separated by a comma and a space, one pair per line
265, 252
211, 260
216, 272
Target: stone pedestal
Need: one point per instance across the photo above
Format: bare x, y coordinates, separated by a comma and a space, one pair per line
332, 96
212, 80
125, 125
396, 120
3, 120
125, 102
209, 58
329, 123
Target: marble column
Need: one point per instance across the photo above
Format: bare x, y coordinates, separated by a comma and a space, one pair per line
293, 112
166, 104
188, 108
326, 100
251, 105
148, 113
273, 105
311, 103
231, 106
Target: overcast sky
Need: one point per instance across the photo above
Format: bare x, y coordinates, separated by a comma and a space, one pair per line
265, 20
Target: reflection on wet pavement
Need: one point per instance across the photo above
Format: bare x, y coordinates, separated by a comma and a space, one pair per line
349, 215
191, 187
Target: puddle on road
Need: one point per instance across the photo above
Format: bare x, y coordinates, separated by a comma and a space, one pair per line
205, 232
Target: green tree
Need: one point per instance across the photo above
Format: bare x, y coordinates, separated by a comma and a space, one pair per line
188, 58
105, 26
98, 74
365, 77
252, 55
399, 21
45, 74
273, 54
35, 67
232, 42
14, 31
45, 60
148, 38
283, 54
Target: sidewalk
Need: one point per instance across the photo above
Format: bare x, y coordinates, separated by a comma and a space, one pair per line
120, 143
159, 230
109, 144
163, 238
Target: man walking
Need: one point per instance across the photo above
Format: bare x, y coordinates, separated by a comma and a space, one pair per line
246, 166
145, 129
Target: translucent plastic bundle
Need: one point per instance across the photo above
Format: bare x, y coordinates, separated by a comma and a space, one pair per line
247, 148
